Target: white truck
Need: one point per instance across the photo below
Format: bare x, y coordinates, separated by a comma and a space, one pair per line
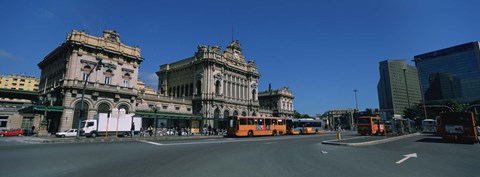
116, 123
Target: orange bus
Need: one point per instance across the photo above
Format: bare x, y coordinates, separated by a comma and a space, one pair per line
458, 127
256, 126
370, 125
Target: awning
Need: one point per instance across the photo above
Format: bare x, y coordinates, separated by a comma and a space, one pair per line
41, 109
165, 115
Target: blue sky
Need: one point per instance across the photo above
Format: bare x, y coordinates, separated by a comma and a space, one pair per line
321, 50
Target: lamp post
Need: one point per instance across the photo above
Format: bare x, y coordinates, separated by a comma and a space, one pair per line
155, 120
356, 103
80, 116
47, 101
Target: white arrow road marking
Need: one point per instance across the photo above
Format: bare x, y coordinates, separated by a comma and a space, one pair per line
149, 142
324, 152
407, 157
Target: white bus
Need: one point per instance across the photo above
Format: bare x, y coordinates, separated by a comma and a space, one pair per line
304, 126
429, 126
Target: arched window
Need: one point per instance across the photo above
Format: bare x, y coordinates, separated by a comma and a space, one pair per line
226, 114
123, 107
76, 113
216, 114
104, 108
254, 114
254, 92
108, 76
199, 87
217, 87
235, 113
86, 70
244, 113
126, 79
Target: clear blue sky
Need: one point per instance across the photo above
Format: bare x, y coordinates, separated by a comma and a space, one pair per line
321, 50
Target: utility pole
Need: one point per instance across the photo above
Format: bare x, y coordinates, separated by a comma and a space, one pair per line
356, 103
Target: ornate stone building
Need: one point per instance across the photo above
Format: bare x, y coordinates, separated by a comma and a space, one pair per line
276, 103
220, 84
65, 69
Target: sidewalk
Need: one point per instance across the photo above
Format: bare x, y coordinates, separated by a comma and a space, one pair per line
366, 140
53, 139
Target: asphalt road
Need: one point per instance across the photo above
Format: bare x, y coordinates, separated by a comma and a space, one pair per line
260, 156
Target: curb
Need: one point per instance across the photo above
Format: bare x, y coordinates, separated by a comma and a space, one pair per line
335, 142
102, 140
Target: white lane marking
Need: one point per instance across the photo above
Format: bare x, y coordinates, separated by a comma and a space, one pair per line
407, 157
324, 152
271, 143
233, 140
149, 142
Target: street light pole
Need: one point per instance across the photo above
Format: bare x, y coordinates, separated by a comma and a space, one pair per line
356, 103
82, 101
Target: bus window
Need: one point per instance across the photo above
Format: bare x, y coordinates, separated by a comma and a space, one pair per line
259, 124
243, 121
280, 122
274, 121
251, 121
267, 124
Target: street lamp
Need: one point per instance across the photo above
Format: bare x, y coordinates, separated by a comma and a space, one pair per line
155, 109
80, 116
47, 101
356, 103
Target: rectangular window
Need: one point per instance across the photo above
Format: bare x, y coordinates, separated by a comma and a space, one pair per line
108, 80
3, 121
251, 121
125, 83
177, 108
84, 76
165, 107
243, 121
27, 123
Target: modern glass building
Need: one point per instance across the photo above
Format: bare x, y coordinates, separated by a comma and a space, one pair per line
450, 74
398, 88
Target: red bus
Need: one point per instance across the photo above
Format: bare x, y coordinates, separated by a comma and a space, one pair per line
370, 125
256, 126
458, 127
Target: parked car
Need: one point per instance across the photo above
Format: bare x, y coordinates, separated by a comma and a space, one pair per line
67, 133
12, 132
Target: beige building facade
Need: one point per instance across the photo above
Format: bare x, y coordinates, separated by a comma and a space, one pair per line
276, 103
219, 83
64, 72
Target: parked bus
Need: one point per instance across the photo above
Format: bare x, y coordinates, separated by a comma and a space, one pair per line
370, 125
458, 127
429, 126
304, 126
256, 126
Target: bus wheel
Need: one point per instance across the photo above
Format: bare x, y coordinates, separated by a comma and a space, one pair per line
316, 130
300, 132
274, 133
250, 133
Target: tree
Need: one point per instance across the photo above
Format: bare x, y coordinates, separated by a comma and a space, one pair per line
296, 114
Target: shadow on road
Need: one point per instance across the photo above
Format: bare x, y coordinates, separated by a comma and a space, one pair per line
431, 140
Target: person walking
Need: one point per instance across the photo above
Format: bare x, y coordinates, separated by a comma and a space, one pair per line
209, 130
132, 129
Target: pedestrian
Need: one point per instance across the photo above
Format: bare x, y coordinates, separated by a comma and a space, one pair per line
150, 130
142, 132
205, 131
209, 130
32, 132
132, 129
